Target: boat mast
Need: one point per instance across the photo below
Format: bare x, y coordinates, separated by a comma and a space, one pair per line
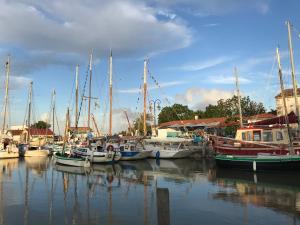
283, 97
29, 110
76, 97
53, 112
66, 130
238, 95
7, 69
110, 93
145, 97
90, 91
295, 88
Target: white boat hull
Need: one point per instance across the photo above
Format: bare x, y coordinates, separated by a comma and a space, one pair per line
36, 153
171, 154
70, 161
105, 157
143, 154
8, 155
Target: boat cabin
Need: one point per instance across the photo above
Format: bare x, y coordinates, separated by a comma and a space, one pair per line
268, 134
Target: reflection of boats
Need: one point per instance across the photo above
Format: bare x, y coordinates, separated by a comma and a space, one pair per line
278, 191
169, 148
37, 164
106, 168
72, 169
260, 162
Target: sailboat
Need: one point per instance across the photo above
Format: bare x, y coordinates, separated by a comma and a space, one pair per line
263, 161
69, 159
7, 148
31, 148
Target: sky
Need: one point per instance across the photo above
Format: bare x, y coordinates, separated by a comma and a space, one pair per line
192, 47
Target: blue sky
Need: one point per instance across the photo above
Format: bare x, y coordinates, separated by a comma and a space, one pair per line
192, 47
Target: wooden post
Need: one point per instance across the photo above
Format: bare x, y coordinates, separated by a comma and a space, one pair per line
295, 88
163, 206
145, 98
110, 94
7, 69
239, 97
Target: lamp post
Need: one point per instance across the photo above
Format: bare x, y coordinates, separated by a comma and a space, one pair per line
156, 105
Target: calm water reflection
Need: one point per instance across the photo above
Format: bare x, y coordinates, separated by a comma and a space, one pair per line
34, 191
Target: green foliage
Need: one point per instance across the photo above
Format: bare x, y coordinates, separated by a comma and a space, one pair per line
224, 108
175, 112
41, 125
138, 124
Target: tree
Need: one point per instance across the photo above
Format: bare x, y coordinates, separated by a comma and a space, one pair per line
41, 125
138, 124
175, 112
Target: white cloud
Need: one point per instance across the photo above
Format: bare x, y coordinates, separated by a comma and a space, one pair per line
205, 64
72, 26
199, 98
15, 82
211, 25
153, 87
228, 80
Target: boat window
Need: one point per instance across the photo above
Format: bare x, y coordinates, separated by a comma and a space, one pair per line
256, 135
249, 136
267, 136
243, 136
279, 136
121, 148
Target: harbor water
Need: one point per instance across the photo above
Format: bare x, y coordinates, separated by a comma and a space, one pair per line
34, 191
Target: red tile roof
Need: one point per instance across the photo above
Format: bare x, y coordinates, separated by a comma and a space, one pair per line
262, 116
288, 93
40, 132
192, 122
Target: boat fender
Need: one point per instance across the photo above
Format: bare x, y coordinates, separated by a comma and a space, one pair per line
157, 155
254, 166
110, 148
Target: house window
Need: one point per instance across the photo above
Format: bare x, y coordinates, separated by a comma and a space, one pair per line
243, 136
267, 136
279, 136
257, 135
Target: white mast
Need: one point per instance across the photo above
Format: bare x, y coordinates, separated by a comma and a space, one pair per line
53, 111
76, 97
295, 88
7, 69
145, 98
238, 95
90, 91
110, 93
283, 97
29, 110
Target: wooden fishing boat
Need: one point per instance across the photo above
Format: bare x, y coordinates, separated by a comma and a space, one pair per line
70, 160
260, 162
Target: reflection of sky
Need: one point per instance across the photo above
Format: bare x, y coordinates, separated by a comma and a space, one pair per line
113, 195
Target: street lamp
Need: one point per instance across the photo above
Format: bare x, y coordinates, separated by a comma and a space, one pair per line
156, 105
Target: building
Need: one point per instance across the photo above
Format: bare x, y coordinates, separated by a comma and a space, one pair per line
290, 101
81, 132
260, 117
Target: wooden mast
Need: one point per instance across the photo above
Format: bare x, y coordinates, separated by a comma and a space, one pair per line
295, 88
238, 95
76, 97
110, 93
145, 98
53, 112
29, 110
7, 69
283, 97
90, 91
66, 130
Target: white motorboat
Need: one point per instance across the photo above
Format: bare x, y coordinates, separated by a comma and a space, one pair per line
96, 156
30, 151
169, 148
70, 160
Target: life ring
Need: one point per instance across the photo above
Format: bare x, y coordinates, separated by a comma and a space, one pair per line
110, 148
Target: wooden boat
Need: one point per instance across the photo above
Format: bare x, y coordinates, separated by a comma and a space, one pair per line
260, 162
30, 151
168, 148
70, 160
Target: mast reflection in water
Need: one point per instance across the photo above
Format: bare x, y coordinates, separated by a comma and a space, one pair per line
34, 191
